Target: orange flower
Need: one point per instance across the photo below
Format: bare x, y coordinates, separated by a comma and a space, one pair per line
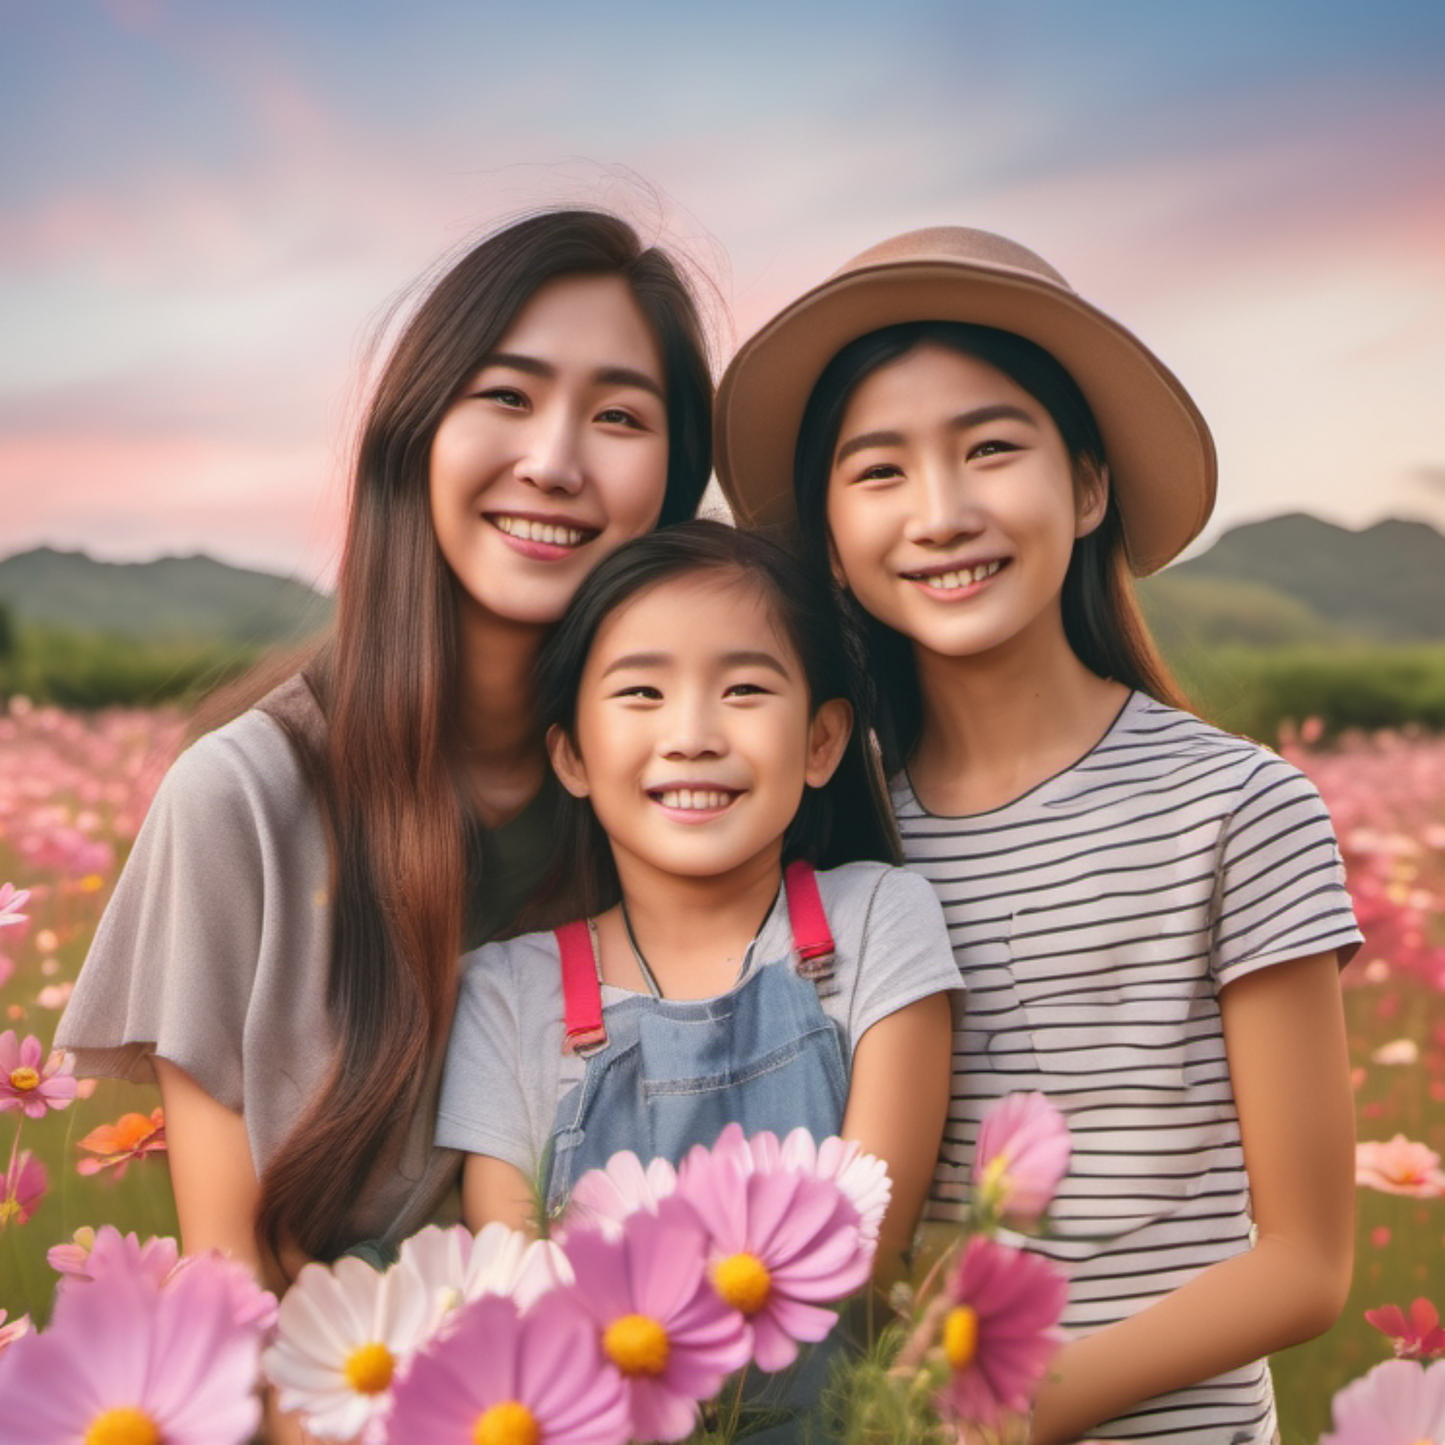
131, 1137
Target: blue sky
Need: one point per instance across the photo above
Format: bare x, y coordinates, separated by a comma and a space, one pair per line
206, 209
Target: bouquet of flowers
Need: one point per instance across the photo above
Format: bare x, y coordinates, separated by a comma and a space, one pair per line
649, 1313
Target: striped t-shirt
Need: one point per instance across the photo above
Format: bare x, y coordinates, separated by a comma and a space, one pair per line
1095, 920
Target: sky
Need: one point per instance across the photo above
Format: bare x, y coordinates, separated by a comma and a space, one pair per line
208, 211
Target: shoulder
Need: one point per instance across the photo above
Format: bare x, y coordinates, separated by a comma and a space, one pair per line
861, 895
1152, 735
525, 972
248, 765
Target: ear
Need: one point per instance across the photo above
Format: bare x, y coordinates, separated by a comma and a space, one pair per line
1091, 498
827, 737
567, 761
835, 564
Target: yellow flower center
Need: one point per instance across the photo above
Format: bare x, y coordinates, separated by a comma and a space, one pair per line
123, 1426
637, 1345
960, 1336
9, 1209
508, 1423
369, 1368
743, 1281
24, 1079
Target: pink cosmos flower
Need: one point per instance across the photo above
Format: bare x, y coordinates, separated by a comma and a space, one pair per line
1023, 1151
1417, 1336
28, 1085
12, 900
24, 1187
95, 1252
125, 1360
785, 1245
499, 1377
132, 1136
862, 1177
659, 1320
12, 1332
1399, 1166
605, 1197
999, 1330
1397, 1403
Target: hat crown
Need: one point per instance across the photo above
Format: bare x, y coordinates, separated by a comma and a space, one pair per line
954, 245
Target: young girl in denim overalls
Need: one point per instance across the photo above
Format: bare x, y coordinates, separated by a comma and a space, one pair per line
697, 698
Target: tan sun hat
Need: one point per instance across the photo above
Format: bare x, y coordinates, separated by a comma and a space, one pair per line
1160, 453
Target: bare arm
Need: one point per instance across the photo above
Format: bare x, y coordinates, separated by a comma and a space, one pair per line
1285, 1037
493, 1189
897, 1106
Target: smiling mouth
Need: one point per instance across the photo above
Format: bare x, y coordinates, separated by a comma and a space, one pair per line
958, 576
551, 534
693, 800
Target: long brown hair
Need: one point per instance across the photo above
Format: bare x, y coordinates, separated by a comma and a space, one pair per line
1102, 618
383, 767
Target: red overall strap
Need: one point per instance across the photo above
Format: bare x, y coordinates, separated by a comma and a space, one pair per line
812, 938
581, 992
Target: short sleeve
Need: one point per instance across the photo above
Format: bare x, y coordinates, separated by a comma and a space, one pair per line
499, 1085
905, 954
212, 950
1281, 890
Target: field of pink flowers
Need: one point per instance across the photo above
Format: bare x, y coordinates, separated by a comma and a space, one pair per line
73, 790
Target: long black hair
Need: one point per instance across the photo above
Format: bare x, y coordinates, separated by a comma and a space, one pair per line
1102, 620
844, 820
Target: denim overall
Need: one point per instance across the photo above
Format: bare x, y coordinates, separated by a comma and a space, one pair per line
665, 1074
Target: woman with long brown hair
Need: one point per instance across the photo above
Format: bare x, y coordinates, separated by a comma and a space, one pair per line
281, 948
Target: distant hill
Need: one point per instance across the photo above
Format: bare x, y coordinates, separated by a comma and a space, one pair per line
173, 598
1296, 579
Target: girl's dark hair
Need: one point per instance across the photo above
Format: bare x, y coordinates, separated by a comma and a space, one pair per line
846, 819
1102, 620
384, 767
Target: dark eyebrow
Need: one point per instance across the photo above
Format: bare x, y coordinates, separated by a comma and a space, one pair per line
979, 416
604, 375
662, 659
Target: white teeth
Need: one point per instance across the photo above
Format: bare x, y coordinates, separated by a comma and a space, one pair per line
551, 532
964, 577
693, 798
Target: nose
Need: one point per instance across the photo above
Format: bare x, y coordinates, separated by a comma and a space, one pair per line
944, 508
692, 729
551, 457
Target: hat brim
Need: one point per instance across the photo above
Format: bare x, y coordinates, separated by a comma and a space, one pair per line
1158, 446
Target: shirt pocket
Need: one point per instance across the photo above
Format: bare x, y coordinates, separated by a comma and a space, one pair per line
1102, 1013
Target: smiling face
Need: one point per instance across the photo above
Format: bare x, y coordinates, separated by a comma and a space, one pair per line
694, 737
553, 453
952, 506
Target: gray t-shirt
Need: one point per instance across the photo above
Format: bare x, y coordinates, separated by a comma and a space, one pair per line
505, 1068
214, 954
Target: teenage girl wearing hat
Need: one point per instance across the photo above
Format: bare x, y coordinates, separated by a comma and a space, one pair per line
1149, 913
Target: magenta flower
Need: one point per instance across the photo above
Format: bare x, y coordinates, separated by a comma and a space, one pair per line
1023, 1151
99, 1251
659, 1320
1399, 1166
785, 1246
1397, 1403
1000, 1330
126, 1360
24, 1187
503, 1378
29, 1085
1416, 1337
12, 900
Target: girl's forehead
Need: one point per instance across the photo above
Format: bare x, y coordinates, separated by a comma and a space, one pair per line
929, 375
700, 614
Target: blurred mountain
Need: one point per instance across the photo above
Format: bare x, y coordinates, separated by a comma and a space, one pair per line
173, 598
1297, 579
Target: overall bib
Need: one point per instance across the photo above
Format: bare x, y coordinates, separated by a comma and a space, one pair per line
665, 1074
